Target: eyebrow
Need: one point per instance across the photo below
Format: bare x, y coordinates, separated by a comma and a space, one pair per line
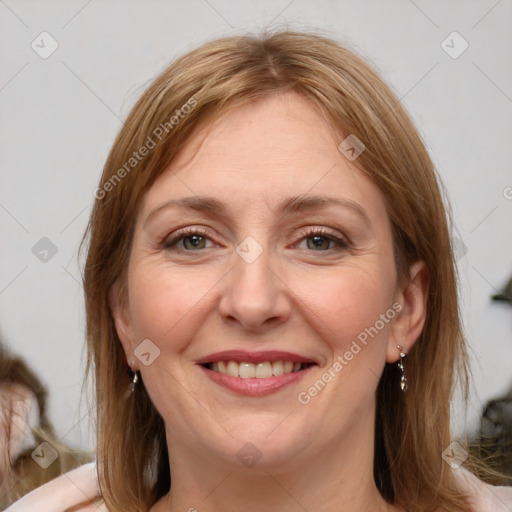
293, 204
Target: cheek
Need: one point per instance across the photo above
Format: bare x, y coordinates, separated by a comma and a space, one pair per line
344, 305
164, 299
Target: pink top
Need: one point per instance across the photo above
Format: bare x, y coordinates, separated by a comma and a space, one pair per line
80, 487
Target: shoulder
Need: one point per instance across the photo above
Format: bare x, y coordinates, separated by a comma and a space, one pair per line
485, 497
76, 489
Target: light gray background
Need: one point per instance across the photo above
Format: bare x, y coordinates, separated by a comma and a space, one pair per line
59, 116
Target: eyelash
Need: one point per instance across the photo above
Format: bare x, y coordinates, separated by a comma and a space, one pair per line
307, 233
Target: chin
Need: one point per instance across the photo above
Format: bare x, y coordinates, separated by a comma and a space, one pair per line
262, 444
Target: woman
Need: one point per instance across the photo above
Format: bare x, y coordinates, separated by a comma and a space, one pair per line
271, 295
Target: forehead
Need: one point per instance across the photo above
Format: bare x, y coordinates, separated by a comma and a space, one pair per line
274, 147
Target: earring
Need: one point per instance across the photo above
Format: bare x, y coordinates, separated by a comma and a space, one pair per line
401, 366
134, 380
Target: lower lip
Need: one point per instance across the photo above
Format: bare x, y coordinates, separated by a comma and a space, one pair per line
255, 387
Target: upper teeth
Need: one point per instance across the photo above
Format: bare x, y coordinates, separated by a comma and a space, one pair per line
258, 371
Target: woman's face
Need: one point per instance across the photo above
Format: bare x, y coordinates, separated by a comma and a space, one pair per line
256, 313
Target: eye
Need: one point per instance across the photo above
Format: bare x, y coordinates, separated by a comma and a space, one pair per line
193, 238
321, 239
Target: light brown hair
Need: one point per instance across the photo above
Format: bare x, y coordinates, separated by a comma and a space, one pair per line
412, 430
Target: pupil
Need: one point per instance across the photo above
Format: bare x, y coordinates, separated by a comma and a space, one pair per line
195, 240
317, 240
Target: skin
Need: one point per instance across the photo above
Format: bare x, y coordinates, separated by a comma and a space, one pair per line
297, 296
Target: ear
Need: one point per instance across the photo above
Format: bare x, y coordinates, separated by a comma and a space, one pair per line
409, 322
119, 307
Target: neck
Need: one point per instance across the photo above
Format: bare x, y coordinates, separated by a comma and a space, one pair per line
339, 476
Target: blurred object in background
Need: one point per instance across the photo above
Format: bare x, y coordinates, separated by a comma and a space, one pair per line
506, 294
493, 442
30, 453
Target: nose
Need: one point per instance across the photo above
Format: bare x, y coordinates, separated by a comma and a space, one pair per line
255, 297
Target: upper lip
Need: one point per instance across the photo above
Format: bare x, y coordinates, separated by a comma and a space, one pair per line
243, 356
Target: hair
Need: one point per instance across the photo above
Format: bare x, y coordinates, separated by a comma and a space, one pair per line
412, 429
19, 473
493, 441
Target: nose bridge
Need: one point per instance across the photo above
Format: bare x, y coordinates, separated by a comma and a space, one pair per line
251, 267
253, 295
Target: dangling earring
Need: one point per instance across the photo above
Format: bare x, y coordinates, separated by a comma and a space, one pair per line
135, 379
401, 366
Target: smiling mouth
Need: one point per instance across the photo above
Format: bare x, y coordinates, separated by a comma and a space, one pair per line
263, 370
